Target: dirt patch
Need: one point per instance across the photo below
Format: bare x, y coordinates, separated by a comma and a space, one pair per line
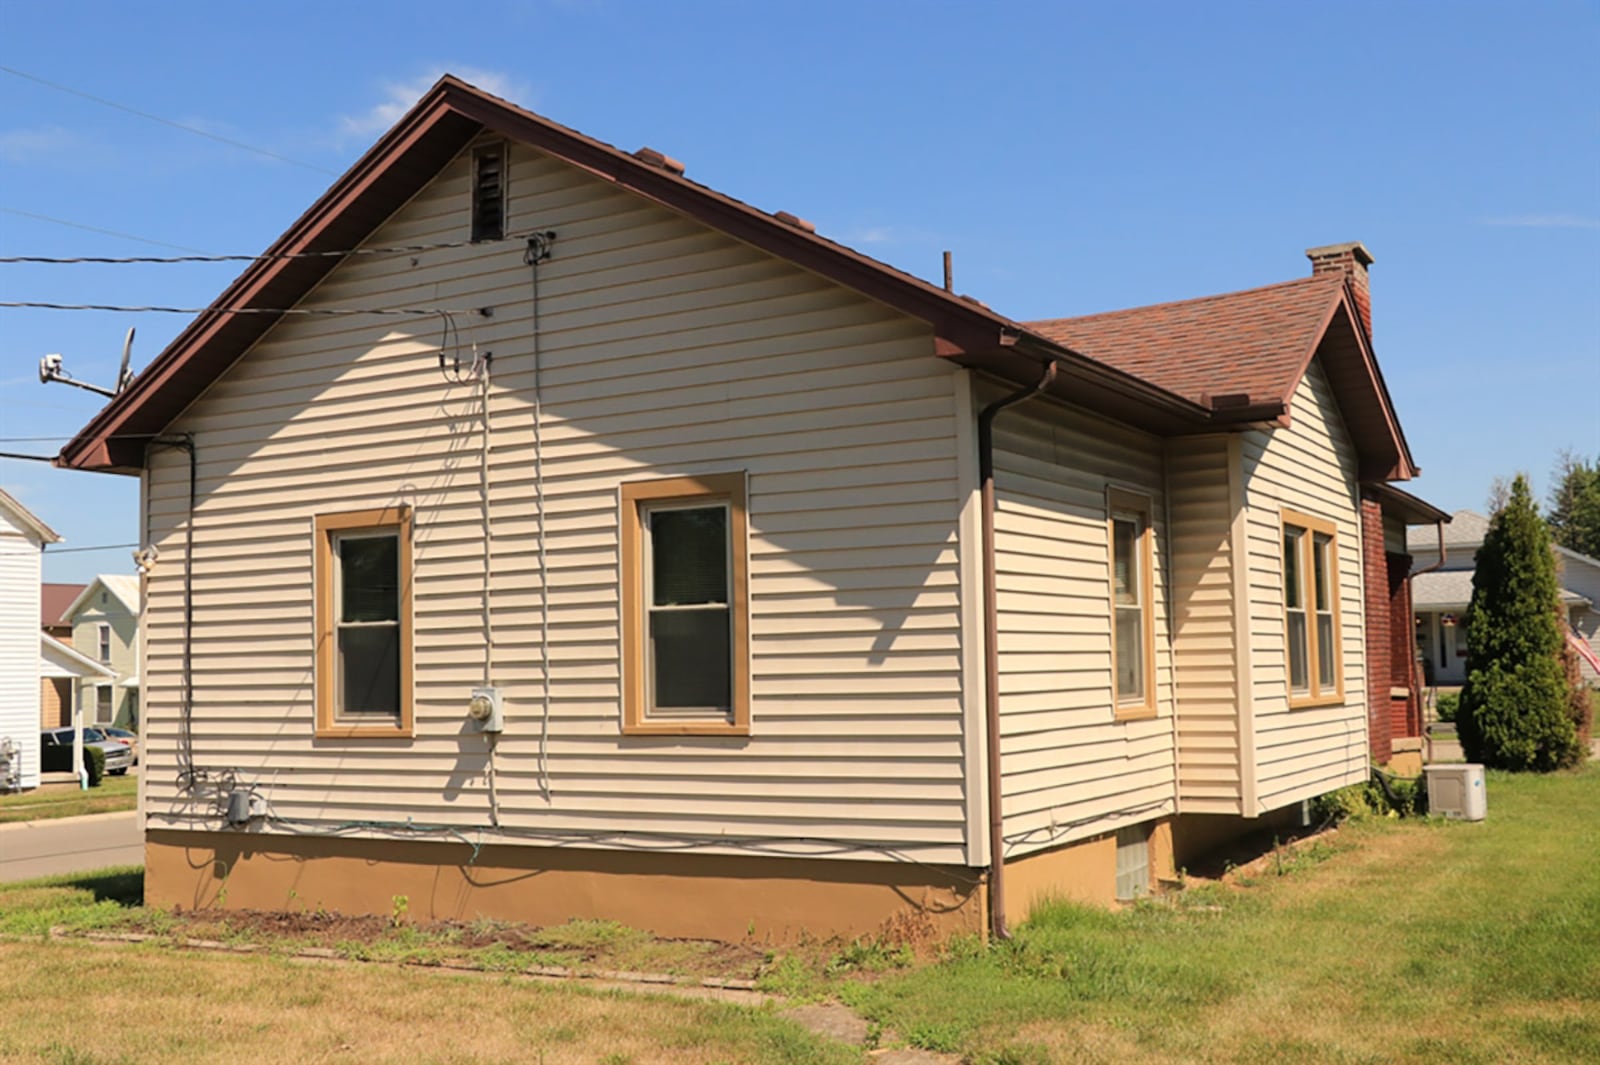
498, 944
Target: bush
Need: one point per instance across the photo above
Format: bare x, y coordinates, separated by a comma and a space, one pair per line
96, 759
57, 758
1514, 710
1447, 705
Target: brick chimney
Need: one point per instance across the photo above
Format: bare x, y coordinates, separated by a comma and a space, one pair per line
1351, 260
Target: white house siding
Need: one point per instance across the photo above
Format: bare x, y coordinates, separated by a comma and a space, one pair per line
1580, 574
1068, 769
668, 349
1309, 467
19, 644
1205, 645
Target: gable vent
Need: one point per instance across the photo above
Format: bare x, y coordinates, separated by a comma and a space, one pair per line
489, 192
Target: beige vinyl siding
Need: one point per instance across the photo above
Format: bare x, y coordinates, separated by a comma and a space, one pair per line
1310, 467
667, 350
1206, 654
1068, 769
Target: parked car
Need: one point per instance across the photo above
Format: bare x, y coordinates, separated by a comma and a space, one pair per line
123, 735
119, 756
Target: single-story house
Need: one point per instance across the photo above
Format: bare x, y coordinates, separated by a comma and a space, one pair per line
104, 620
540, 533
1442, 596
57, 694
23, 537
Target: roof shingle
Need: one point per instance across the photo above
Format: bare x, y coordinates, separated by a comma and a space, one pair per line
1254, 343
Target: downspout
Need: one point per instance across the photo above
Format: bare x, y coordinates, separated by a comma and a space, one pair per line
991, 646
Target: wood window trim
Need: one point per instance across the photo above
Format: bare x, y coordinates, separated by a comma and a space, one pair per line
325, 528
1119, 500
1311, 525
725, 487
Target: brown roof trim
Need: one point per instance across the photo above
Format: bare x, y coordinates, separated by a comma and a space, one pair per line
442, 123
1411, 509
1386, 456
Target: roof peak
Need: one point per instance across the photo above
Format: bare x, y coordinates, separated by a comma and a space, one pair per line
1329, 281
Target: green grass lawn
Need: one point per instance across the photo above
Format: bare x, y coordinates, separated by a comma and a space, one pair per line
66, 800
1401, 941
1393, 941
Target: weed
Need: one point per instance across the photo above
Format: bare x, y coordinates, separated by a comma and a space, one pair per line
946, 1036
397, 915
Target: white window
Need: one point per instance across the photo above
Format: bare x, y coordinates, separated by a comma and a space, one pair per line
686, 649
1132, 617
363, 598
104, 635
1311, 610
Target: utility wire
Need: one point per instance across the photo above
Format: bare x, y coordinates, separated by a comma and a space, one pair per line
97, 229
118, 260
102, 547
164, 121
314, 311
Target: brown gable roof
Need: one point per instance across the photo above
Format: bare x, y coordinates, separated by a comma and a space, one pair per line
442, 123
54, 600
1243, 354
1253, 343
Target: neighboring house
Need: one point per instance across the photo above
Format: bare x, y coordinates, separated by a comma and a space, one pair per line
1442, 596
57, 693
793, 626
22, 540
105, 628
67, 679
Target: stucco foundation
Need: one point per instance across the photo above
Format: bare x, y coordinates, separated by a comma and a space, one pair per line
718, 897
1083, 871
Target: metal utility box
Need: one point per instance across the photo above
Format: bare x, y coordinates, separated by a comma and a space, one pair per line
1457, 791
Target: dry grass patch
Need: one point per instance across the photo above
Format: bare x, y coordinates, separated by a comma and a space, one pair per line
159, 1005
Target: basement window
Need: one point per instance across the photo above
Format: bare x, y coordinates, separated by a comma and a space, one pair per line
1133, 863
489, 192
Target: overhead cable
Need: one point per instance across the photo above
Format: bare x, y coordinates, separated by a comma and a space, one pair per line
102, 101
340, 253
98, 229
312, 311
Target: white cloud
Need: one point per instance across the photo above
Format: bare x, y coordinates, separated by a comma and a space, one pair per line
1546, 221
399, 96
25, 145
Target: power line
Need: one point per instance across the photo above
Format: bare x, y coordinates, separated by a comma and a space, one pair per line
97, 229
101, 547
164, 121
201, 257
314, 311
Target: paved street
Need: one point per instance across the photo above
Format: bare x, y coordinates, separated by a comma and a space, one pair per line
69, 845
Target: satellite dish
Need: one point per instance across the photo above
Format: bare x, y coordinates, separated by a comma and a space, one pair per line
125, 375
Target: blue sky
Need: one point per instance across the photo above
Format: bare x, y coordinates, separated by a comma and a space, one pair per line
1075, 157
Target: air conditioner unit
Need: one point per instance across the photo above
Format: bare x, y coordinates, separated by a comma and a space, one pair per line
1457, 791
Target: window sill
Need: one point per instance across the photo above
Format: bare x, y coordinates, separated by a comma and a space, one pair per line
1134, 713
1311, 702
363, 732
685, 728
